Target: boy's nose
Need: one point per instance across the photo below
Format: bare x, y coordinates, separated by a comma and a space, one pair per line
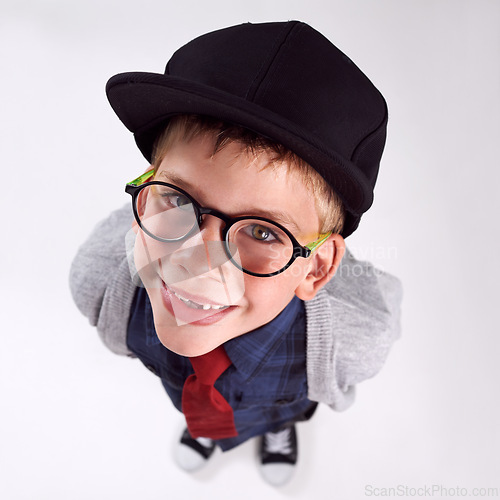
203, 251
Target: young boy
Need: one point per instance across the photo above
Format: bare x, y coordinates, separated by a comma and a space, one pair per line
264, 142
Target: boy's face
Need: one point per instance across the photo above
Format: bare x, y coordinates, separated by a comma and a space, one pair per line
234, 183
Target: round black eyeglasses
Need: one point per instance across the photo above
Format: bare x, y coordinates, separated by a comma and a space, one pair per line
256, 245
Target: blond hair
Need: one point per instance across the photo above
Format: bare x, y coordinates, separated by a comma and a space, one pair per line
188, 127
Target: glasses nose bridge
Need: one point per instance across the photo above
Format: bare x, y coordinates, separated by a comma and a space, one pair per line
226, 221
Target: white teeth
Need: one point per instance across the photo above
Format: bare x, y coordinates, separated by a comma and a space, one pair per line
195, 305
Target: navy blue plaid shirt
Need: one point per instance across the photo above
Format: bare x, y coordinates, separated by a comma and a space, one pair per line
266, 385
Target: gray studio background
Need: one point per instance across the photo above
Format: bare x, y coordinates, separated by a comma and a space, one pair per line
77, 422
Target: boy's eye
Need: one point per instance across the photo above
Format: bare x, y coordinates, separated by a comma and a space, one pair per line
177, 200
182, 202
260, 233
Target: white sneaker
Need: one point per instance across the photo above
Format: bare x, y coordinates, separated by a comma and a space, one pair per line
278, 456
192, 454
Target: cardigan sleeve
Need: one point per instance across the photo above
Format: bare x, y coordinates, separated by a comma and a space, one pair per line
100, 279
351, 326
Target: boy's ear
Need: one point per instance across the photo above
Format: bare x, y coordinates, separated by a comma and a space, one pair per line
322, 267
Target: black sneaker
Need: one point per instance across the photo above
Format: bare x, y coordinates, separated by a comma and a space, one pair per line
278, 455
192, 454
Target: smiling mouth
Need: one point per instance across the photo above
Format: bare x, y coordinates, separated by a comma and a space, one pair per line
196, 310
196, 305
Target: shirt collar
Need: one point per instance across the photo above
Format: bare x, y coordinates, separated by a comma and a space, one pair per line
249, 351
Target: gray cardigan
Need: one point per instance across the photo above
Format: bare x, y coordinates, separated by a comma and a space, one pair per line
351, 323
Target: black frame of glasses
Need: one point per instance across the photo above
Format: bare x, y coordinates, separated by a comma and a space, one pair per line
298, 249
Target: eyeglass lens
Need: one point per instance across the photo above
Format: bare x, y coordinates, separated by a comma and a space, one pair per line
257, 246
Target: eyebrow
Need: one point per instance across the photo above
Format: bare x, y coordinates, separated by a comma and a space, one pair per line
175, 179
275, 215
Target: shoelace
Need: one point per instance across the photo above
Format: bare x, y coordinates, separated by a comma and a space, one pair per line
278, 442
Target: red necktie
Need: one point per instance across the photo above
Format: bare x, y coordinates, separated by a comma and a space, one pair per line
207, 413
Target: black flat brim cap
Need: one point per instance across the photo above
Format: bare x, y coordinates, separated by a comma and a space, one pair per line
284, 81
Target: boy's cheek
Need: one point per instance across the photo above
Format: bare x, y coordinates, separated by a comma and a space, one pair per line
144, 264
269, 296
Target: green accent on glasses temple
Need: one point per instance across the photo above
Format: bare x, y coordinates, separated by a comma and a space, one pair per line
312, 246
142, 178
321, 239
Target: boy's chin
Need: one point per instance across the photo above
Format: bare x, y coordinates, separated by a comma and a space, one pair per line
190, 351
191, 341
